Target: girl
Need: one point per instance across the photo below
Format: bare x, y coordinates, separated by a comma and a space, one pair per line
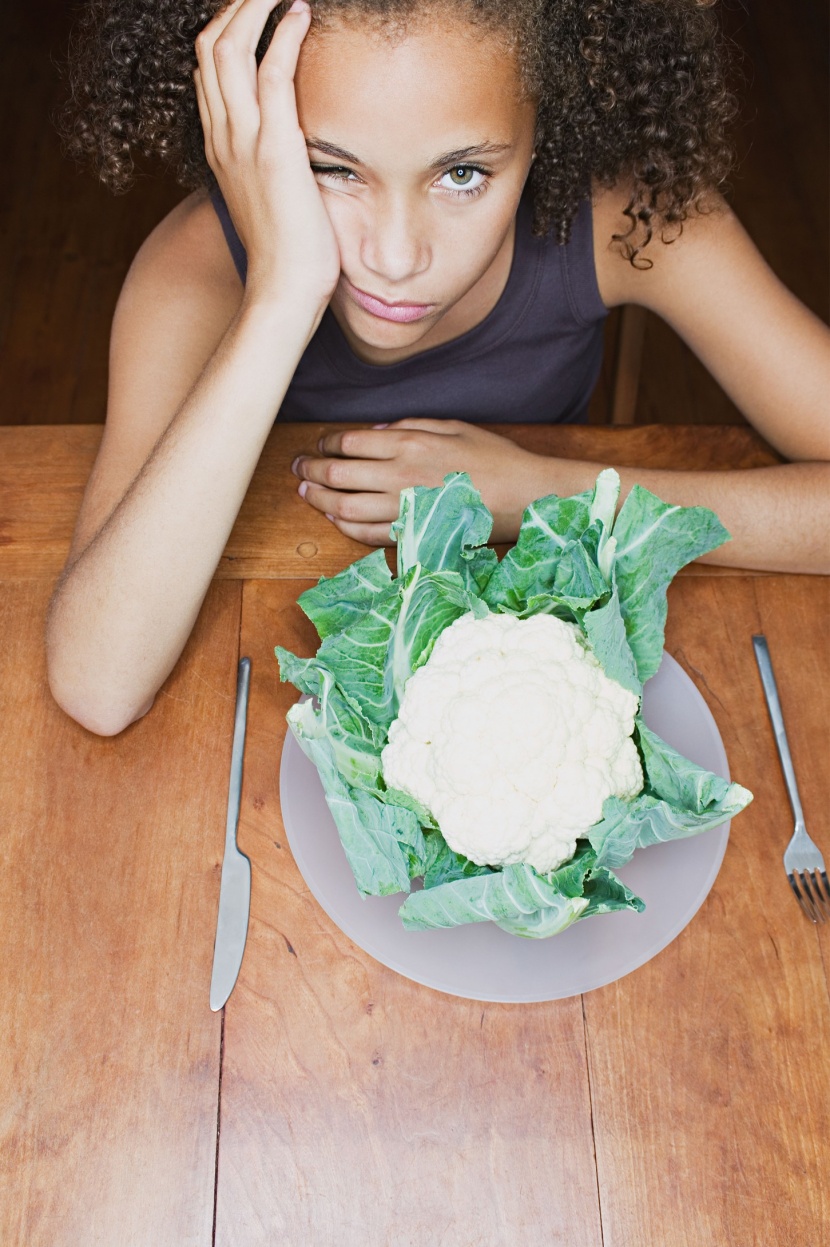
417, 210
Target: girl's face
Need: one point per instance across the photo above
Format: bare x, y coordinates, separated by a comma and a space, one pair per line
421, 148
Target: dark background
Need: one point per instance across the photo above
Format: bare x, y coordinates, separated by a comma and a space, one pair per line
67, 242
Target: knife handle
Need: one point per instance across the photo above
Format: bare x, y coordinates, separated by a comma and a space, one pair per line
243, 681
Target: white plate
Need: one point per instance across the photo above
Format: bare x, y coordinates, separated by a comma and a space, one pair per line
480, 961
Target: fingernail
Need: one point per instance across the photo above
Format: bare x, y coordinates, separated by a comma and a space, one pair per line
303, 490
294, 464
380, 426
329, 517
298, 6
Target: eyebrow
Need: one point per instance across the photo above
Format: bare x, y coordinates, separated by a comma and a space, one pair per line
456, 157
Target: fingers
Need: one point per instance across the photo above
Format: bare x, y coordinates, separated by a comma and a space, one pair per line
447, 427
353, 474
356, 508
277, 69
242, 81
235, 67
369, 534
374, 444
360, 444
204, 114
209, 84
377, 462
388, 444
227, 69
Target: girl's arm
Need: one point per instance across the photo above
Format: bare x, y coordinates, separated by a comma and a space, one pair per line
765, 348
778, 517
197, 374
769, 352
168, 482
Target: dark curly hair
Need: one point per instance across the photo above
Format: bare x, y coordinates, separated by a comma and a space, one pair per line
633, 89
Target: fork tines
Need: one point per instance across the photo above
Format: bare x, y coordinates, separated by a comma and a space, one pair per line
815, 899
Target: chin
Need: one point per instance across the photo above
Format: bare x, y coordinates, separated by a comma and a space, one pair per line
378, 333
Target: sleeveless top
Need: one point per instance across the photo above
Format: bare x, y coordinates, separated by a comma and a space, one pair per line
534, 359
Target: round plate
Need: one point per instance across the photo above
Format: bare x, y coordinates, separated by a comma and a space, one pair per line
480, 961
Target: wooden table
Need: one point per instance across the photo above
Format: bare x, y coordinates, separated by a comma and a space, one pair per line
336, 1103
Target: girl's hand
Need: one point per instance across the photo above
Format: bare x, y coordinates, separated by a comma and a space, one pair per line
256, 149
358, 479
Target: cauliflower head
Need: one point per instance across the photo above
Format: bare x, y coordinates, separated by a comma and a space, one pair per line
512, 736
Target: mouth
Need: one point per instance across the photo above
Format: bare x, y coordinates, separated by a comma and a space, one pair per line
401, 312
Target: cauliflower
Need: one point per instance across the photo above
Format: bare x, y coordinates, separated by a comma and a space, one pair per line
512, 736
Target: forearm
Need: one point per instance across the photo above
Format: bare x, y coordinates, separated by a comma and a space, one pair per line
778, 517
122, 612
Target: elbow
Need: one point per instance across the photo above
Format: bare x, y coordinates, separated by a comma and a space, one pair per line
97, 708
99, 719
102, 716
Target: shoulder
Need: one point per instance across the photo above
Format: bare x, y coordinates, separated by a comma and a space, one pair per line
712, 285
707, 239
179, 296
187, 251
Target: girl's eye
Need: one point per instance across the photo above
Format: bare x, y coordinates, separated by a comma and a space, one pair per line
463, 179
460, 180
338, 172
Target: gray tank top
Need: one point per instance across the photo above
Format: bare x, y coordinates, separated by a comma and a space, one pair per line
533, 360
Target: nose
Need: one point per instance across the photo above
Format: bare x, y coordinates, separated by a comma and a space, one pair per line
395, 244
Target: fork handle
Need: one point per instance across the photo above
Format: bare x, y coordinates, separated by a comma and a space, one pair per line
774, 706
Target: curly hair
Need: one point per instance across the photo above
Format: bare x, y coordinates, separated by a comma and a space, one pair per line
633, 89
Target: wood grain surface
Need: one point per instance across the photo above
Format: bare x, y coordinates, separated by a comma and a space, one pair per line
684, 1106
111, 853
359, 1107
44, 470
705, 1091
710, 1083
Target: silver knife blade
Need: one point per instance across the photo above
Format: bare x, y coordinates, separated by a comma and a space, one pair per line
235, 887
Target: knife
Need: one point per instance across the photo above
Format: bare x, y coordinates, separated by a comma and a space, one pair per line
235, 888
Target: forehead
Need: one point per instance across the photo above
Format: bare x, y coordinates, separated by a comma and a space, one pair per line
438, 81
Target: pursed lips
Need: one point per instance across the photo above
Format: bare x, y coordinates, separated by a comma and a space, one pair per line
402, 312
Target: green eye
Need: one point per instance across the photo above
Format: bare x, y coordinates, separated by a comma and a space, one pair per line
464, 179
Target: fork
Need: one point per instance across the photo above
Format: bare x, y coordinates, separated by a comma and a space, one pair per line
802, 860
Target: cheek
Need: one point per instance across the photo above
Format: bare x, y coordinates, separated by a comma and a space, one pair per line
469, 241
345, 216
